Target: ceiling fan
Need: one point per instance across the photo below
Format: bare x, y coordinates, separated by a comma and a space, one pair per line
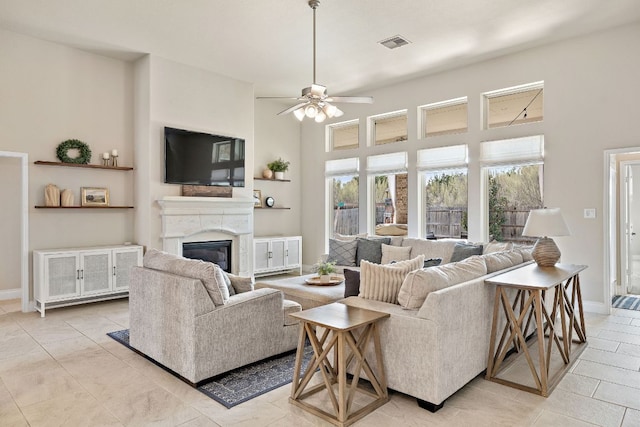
315, 103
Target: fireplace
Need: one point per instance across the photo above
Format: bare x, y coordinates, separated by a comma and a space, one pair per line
217, 251
208, 219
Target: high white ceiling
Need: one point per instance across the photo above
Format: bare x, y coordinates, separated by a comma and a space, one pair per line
269, 42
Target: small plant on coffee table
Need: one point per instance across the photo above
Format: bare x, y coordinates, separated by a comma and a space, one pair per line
325, 268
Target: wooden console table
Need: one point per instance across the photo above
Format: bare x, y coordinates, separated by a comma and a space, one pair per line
529, 286
339, 321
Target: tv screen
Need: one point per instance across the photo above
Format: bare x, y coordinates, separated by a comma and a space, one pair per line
196, 158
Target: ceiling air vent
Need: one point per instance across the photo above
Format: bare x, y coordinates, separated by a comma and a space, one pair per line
394, 42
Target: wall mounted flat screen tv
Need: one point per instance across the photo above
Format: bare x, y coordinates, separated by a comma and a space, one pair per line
196, 158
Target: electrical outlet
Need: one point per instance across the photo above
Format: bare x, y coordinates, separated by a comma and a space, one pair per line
590, 213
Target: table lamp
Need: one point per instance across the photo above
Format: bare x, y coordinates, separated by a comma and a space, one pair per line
542, 223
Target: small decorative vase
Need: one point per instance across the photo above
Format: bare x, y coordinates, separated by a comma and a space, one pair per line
325, 278
66, 197
51, 195
267, 173
279, 175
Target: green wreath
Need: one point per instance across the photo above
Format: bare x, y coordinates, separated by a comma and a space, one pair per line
83, 158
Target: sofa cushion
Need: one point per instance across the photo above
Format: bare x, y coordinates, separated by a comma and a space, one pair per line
289, 307
382, 282
209, 273
465, 250
495, 246
430, 248
500, 260
351, 283
370, 249
395, 253
342, 253
418, 284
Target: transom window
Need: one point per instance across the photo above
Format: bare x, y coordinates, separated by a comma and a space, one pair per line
516, 105
388, 128
443, 118
343, 136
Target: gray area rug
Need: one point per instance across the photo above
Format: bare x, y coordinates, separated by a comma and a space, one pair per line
242, 384
626, 302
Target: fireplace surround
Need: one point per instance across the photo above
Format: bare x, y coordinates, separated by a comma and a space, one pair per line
203, 219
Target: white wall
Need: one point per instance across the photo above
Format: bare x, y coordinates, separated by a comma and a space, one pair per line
176, 95
277, 136
51, 93
590, 97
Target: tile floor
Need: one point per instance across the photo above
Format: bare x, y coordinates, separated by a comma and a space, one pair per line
64, 370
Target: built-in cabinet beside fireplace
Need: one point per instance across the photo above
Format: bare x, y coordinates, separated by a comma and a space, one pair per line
273, 255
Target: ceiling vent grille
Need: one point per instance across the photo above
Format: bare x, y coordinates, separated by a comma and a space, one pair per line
394, 42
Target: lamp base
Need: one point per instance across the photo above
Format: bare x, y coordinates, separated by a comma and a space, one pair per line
545, 252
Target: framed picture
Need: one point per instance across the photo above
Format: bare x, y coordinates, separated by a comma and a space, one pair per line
257, 199
94, 196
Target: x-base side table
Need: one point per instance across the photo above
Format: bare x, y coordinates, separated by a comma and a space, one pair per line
339, 322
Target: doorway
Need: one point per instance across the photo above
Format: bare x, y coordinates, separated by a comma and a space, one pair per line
630, 227
21, 215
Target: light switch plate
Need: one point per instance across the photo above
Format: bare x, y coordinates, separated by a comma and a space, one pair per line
590, 213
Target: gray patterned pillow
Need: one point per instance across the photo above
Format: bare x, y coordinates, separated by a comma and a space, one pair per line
342, 253
370, 249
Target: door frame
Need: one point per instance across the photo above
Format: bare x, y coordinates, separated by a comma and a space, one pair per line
622, 235
24, 226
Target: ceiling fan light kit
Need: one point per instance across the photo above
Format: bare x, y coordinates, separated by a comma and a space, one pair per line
314, 101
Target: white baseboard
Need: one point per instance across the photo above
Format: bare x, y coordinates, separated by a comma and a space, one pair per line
10, 294
596, 307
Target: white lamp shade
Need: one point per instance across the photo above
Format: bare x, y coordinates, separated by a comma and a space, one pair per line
544, 223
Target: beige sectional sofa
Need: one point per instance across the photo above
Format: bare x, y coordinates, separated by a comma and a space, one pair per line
183, 315
437, 337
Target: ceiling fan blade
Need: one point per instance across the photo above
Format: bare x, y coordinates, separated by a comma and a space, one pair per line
351, 99
278, 97
295, 107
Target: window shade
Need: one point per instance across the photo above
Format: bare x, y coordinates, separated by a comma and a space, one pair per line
387, 163
527, 149
342, 167
442, 157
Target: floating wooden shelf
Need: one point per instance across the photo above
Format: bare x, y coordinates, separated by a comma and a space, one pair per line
271, 179
83, 207
275, 207
77, 165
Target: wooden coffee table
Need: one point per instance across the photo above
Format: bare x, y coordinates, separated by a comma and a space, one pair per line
553, 330
339, 322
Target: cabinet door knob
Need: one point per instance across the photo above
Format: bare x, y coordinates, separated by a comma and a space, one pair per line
78, 274
114, 270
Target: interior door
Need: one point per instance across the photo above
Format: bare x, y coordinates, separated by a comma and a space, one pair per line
630, 227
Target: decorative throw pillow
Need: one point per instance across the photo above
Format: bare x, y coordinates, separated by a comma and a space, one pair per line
382, 282
500, 260
342, 253
418, 284
430, 248
495, 246
465, 250
227, 280
209, 273
370, 249
432, 262
395, 253
351, 283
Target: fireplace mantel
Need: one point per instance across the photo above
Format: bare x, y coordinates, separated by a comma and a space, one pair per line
185, 219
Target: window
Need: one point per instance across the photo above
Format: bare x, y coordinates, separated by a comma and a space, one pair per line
343, 136
388, 128
513, 186
443, 174
443, 118
343, 189
521, 104
387, 175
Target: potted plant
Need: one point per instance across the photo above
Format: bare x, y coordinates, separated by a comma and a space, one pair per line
324, 270
279, 167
